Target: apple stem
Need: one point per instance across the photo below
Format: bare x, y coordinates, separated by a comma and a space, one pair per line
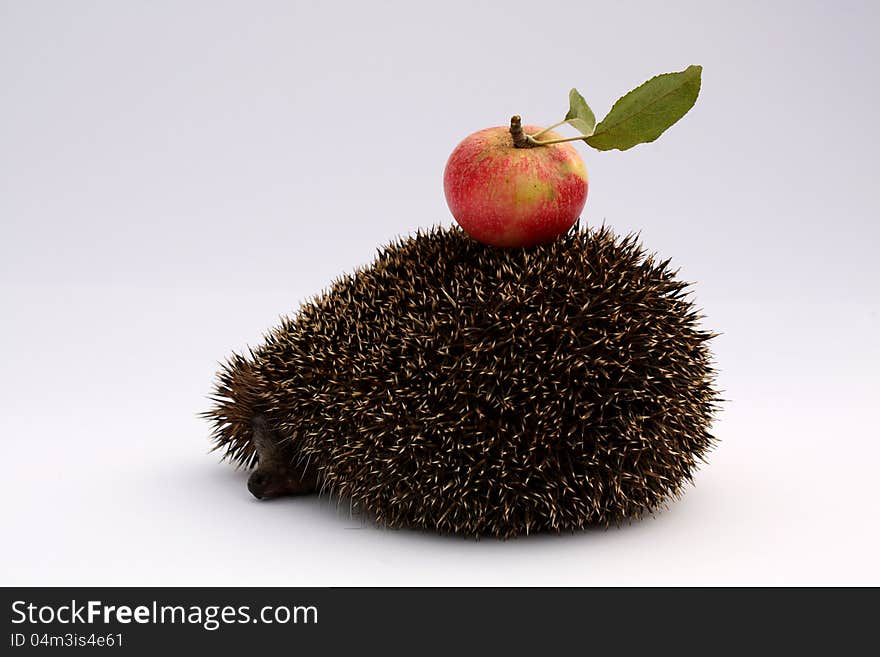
520, 138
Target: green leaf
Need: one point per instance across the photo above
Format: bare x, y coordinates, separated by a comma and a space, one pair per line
579, 113
647, 111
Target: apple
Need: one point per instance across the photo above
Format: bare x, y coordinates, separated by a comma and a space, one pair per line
509, 196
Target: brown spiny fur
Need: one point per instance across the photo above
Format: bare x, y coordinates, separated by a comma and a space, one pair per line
469, 389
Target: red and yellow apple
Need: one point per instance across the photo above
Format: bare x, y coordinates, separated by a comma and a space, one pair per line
511, 197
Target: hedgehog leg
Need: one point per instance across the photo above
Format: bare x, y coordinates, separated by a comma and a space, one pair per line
275, 475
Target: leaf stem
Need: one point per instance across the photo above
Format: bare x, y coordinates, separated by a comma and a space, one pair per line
546, 130
547, 142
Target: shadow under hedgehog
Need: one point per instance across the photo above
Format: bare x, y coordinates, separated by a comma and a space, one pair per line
467, 389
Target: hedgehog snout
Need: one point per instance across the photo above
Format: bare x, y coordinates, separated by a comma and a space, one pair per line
268, 483
259, 483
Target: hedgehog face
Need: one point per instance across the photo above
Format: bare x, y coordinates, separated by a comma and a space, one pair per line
266, 484
276, 473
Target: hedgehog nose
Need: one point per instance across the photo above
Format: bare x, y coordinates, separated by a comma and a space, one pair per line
257, 483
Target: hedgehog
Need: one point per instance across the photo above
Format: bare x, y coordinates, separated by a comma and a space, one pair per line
460, 388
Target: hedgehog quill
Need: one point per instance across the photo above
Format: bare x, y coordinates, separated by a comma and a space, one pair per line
562, 382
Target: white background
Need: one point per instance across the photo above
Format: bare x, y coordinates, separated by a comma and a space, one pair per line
176, 175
